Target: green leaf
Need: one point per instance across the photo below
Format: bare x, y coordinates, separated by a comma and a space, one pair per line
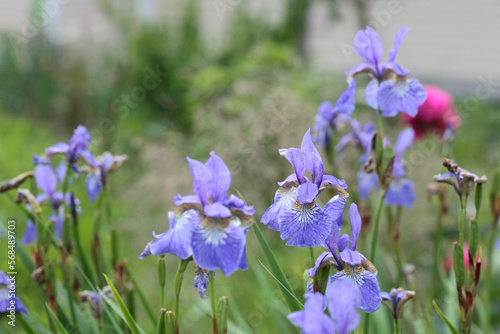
478, 196
473, 238
448, 322
458, 264
144, 302
56, 321
126, 314
290, 298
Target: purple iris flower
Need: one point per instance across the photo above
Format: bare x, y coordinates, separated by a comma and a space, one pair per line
352, 264
361, 136
366, 183
389, 90
343, 302
98, 170
207, 225
396, 300
460, 179
30, 233
294, 212
327, 120
7, 298
76, 147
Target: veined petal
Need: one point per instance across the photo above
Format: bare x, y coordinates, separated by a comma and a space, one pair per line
218, 248
177, 239
220, 175
365, 281
216, 210
343, 303
400, 193
400, 96
368, 45
202, 180
307, 192
284, 197
346, 102
46, 179
304, 225
371, 93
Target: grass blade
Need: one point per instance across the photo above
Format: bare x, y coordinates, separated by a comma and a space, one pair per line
448, 322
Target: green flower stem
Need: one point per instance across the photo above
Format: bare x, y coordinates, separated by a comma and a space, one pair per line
212, 302
462, 215
489, 279
378, 213
161, 268
311, 253
97, 253
178, 285
397, 328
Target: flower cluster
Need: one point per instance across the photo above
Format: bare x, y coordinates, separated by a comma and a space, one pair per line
294, 212
207, 225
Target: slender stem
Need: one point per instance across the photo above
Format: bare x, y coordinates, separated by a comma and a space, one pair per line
178, 285
378, 212
311, 253
212, 301
380, 124
488, 278
397, 328
461, 221
436, 246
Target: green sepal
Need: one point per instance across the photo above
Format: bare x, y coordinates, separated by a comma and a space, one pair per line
478, 196
161, 328
473, 238
222, 314
170, 322
162, 271
459, 265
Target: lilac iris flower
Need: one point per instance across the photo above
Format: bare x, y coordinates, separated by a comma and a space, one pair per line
396, 300
461, 180
353, 265
6, 297
343, 302
327, 120
294, 212
361, 136
98, 170
208, 225
76, 148
389, 90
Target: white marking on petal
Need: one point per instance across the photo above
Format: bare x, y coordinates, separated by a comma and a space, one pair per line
214, 235
304, 213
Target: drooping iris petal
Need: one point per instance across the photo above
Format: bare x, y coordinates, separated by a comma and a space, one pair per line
334, 181
365, 281
366, 183
355, 219
307, 192
343, 303
371, 93
400, 95
202, 180
346, 102
93, 184
368, 45
179, 200
284, 197
323, 257
312, 320
30, 234
400, 193
220, 175
304, 225
234, 202
46, 179
215, 247
177, 239
57, 148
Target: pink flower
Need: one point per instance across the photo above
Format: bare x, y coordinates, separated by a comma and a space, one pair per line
435, 114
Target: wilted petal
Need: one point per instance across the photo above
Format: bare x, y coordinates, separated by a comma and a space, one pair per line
365, 281
284, 197
177, 239
346, 102
202, 180
215, 247
30, 234
400, 193
343, 303
400, 96
304, 225
93, 184
220, 175
46, 179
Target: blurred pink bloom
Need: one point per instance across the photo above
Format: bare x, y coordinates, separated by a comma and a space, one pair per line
435, 114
